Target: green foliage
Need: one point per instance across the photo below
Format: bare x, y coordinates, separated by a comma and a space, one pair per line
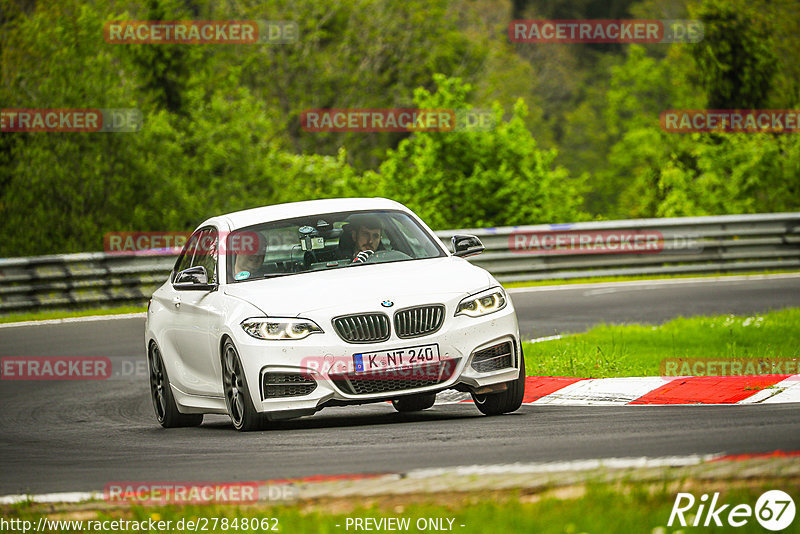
163, 70
473, 178
217, 153
352, 54
636, 95
60, 187
736, 173
736, 57
652, 173
577, 131
638, 170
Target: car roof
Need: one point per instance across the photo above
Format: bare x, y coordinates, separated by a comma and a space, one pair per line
277, 212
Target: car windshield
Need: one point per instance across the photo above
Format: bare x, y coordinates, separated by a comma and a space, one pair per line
326, 241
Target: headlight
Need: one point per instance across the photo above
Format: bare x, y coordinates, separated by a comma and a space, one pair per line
488, 301
280, 328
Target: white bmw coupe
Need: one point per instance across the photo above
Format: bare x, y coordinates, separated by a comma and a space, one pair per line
278, 312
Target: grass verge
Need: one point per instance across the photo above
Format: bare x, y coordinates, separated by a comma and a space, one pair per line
590, 508
637, 350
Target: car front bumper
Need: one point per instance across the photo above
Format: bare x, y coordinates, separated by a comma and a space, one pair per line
320, 356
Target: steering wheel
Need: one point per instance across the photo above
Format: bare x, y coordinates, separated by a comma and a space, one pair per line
387, 255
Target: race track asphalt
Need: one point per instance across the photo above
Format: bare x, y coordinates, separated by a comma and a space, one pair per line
60, 436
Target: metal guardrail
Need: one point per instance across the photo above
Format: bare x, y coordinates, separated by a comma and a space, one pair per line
727, 243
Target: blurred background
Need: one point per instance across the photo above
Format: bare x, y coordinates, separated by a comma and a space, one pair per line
578, 134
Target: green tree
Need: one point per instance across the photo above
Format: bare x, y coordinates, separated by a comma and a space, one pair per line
64, 191
163, 70
653, 173
736, 59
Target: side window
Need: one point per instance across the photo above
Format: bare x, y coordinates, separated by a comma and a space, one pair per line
185, 259
206, 254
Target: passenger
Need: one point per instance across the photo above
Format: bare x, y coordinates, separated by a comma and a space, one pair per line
250, 263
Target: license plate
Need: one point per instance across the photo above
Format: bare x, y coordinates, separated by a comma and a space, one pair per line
383, 360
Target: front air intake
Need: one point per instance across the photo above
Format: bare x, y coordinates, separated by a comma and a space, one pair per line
403, 379
494, 358
277, 385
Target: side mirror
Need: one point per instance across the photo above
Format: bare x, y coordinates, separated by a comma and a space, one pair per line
193, 278
466, 245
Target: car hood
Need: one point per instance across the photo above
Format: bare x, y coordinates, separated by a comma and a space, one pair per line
363, 288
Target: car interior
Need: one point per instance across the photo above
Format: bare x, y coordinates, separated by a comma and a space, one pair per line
320, 243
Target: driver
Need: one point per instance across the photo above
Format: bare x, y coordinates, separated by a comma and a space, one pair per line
366, 232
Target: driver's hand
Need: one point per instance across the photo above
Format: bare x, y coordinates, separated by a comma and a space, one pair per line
362, 256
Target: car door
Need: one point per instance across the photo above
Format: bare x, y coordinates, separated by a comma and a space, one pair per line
195, 318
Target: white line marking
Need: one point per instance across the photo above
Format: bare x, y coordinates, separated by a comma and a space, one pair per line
77, 319
546, 338
653, 282
601, 291
553, 467
52, 497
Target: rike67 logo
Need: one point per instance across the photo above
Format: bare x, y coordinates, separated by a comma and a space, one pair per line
774, 510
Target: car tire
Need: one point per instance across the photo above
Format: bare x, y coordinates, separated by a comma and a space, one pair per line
237, 395
164, 404
509, 400
414, 403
